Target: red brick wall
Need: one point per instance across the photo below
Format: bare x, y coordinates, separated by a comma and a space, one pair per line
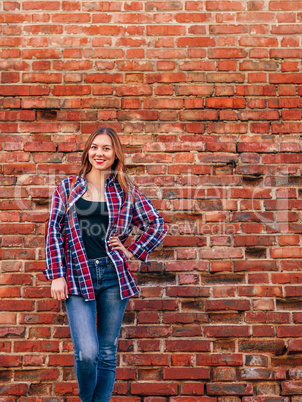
206, 97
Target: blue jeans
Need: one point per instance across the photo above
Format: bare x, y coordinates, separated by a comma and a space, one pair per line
95, 346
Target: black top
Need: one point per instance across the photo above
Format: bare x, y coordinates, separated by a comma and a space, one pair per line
93, 219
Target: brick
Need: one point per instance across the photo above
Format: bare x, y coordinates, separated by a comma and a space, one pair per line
192, 399
193, 388
230, 318
263, 331
149, 345
261, 373
148, 317
187, 345
8, 318
229, 389
292, 387
288, 331
187, 291
260, 291
155, 305
15, 332
224, 291
14, 389
224, 6
147, 375
227, 305
10, 361
37, 375
219, 359
184, 318
224, 374
143, 332
226, 331
272, 317
32, 360
147, 359
36, 346
154, 388
182, 360
292, 361
255, 265
41, 319
275, 347
222, 279
186, 373
61, 360
188, 331
294, 346
294, 374
266, 399
66, 388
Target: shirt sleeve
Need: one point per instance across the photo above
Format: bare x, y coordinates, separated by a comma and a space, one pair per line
54, 245
147, 219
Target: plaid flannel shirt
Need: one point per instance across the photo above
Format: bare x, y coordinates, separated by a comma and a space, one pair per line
69, 259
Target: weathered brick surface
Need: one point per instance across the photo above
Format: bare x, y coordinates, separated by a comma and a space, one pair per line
206, 98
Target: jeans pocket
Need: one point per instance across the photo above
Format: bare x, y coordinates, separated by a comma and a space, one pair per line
111, 266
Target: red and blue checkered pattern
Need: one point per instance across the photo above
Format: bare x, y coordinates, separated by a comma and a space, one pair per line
69, 259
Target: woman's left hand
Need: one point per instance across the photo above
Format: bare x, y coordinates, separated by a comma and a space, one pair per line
116, 244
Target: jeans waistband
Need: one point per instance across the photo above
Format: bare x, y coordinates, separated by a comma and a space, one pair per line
101, 260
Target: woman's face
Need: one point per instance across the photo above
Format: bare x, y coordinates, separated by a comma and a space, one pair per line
101, 154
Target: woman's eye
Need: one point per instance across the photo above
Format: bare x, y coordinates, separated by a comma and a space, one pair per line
95, 147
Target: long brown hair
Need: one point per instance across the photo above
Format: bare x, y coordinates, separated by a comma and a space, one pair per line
118, 167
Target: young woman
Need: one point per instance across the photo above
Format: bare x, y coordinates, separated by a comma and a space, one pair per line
87, 261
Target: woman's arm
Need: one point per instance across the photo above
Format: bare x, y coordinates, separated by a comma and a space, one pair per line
116, 244
154, 228
54, 251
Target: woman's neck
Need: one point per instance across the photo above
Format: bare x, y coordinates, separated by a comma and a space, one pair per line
97, 178
96, 185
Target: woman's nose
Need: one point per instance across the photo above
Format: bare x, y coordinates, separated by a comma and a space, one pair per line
99, 152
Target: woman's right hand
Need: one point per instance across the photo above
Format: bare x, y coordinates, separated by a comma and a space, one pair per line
59, 289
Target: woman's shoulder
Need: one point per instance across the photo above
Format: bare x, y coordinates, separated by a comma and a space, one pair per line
64, 186
132, 190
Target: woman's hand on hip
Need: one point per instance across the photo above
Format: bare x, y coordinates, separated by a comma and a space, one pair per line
116, 244
59, 289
